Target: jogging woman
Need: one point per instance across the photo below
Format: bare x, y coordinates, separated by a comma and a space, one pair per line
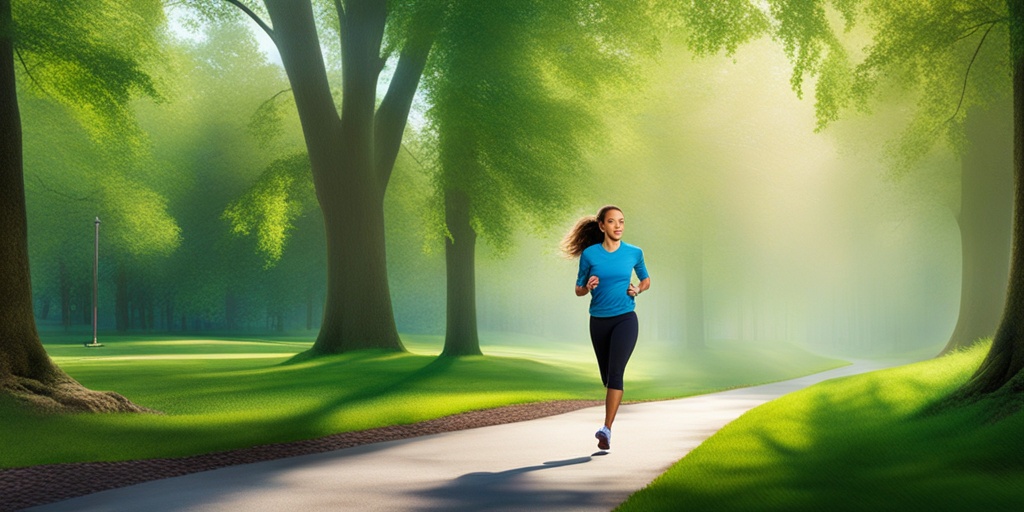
606, 271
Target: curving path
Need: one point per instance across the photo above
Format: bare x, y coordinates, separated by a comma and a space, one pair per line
550, 463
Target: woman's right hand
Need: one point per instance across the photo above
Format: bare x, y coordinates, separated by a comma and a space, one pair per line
592, 282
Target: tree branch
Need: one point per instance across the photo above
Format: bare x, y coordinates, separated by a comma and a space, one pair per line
274, 97
990, 8
62, 194
967, 75
413, 155
393, 113
975, 28
255, 17
29, 72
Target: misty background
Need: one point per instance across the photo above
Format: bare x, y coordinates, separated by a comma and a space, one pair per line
756, 228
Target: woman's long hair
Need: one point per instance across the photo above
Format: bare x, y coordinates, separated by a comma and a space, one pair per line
586, 232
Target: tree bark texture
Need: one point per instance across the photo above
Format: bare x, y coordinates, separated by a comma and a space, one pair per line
22, 353
1006, 357
986, 213
26, 371
460, 338
351, 158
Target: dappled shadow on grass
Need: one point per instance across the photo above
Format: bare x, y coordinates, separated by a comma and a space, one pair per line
405, 387
312, 355
849, 445
227, 404
406, 381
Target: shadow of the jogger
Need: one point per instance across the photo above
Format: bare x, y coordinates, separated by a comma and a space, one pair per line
507, 490
526, 469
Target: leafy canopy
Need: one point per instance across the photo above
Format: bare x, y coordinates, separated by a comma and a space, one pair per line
953, 54
515, 92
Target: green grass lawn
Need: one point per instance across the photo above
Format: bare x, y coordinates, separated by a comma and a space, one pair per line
857, 443
219, 394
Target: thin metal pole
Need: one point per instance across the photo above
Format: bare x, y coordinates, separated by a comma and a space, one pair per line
95, 285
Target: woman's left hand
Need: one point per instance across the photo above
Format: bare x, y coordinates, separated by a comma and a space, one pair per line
633, 290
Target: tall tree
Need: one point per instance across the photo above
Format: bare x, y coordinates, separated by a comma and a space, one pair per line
515, 92
352, 150
1005, 361
88, 64
953, 58
985, 220
916, 41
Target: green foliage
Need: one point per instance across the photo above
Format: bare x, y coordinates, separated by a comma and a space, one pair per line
199, 13
804, 28
711, 27
161, 203
61, 192
857, 443
91, 55
138, 222
953, 54
400, 25
223, 121
266, 123
806, 34
282, 193
516, 93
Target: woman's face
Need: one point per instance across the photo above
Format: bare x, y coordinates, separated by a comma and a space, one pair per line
613, 225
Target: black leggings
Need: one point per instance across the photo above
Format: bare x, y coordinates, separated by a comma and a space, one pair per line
614, 338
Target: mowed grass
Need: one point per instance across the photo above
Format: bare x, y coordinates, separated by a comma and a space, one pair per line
220, 394
866, 442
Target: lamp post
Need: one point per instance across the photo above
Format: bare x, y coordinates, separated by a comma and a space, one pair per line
95, 285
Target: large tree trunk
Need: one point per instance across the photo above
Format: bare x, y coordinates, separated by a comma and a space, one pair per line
986, 210
26, 371
351, 159
461, 338
1006, 357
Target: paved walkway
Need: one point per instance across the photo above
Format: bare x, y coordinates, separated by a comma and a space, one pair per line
546, 464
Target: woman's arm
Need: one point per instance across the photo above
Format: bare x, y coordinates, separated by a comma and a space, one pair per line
635, 290
591, 284
645, 284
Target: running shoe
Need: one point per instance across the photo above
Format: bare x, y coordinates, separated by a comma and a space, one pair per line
604, 438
